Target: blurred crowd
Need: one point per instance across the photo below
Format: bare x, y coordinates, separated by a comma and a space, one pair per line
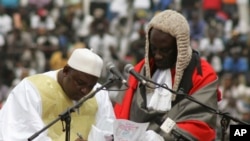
39, 35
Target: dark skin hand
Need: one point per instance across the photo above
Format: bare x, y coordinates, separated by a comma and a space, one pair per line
76, 84
163, 49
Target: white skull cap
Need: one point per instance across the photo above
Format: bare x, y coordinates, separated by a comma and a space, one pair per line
85, 60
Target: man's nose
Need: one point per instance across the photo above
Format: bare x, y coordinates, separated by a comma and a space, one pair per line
157, 54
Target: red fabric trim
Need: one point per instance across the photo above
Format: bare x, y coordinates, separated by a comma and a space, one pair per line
122, 110
208, 75
198, 129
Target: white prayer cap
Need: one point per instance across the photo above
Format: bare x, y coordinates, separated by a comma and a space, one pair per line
84, 60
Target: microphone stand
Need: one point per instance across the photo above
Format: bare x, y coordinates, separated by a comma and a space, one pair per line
65, 116
225, 116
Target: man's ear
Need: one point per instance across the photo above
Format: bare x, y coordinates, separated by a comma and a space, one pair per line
66, 70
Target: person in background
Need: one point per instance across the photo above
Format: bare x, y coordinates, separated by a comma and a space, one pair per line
3, 93
34, 58
39, 99
105, 45
170, 60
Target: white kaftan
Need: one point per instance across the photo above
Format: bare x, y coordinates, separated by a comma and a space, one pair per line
20, 116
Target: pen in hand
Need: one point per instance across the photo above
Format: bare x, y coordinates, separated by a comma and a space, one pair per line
79, 135
80, 138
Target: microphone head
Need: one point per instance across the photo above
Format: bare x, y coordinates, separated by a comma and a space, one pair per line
128, 68
110, 65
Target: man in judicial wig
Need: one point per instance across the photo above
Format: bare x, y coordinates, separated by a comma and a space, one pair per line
170, 60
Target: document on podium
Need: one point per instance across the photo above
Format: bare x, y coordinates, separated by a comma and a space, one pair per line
125, 130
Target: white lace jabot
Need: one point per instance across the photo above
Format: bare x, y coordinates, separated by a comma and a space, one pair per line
160, 99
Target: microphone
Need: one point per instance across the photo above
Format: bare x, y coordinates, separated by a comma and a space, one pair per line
169, 126
130, 69
111, 67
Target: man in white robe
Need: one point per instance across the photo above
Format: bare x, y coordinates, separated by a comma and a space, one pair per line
39, 99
